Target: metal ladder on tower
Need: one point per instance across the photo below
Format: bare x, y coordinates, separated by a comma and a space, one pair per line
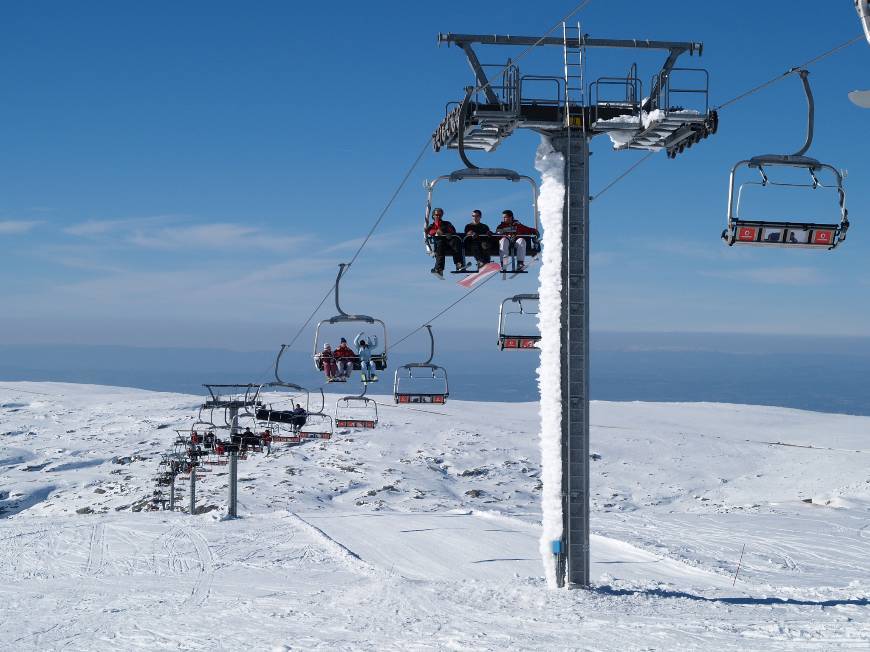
573, 65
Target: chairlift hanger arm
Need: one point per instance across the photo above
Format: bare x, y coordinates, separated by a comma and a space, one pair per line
463, 119
431, 346
341, 269
811, 112
278, 381
342, 315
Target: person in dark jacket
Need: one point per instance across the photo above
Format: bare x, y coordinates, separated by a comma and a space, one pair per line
512, 231
478, 240
446, 242
300, 416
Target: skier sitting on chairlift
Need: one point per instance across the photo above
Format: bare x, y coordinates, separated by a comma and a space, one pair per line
478, 242
446, 241
300, 416
344, 356
511, 229
247, 438
327, 362
365, 356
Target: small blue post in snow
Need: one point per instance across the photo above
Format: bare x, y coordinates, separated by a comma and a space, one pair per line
557, 547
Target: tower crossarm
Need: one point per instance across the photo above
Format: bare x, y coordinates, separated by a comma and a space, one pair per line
461, 40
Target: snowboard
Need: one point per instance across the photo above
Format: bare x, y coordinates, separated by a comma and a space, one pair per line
484, 272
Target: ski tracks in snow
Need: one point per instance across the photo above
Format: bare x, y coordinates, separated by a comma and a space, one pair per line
202, 587
96, 550
167, 546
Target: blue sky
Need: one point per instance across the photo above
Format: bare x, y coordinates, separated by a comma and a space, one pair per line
190, 174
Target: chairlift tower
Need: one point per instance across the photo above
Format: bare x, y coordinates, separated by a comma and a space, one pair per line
649, 120
233, 399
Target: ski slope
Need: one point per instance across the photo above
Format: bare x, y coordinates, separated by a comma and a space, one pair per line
423, 534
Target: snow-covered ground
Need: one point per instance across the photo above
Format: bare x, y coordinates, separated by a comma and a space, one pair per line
422, 534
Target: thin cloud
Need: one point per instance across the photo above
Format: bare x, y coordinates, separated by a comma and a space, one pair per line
708, 250
93, 228
386, 240
215, 236
773, 275
16, 227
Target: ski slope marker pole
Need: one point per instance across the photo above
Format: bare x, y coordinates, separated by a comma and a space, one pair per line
738, 565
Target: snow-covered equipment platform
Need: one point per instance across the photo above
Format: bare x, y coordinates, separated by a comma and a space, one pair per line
673, 116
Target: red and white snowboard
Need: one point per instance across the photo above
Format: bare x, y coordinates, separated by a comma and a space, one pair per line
483, 273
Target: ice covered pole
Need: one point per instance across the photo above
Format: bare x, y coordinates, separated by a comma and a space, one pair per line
550, 164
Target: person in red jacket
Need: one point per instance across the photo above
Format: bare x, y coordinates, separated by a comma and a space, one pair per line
344, 356
511, 230
446, 241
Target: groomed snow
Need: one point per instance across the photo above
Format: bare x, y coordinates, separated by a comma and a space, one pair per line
423, 534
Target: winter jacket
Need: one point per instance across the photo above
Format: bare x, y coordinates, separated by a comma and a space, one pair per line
445, 227
479, 229
365, 354
344, 351
515, 228
326, 354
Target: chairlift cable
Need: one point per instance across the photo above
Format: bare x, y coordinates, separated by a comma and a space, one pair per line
791, 71
579, 7
439, 314
739, 97
623, 175
404, 407
365, 241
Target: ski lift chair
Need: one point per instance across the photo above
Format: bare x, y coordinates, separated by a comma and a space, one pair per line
507, 339
218, 456
318, 425
356, 411
533, 244
379, 360
253, 442
281, 422
434, 376
232, 396
823, 234
281, 425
